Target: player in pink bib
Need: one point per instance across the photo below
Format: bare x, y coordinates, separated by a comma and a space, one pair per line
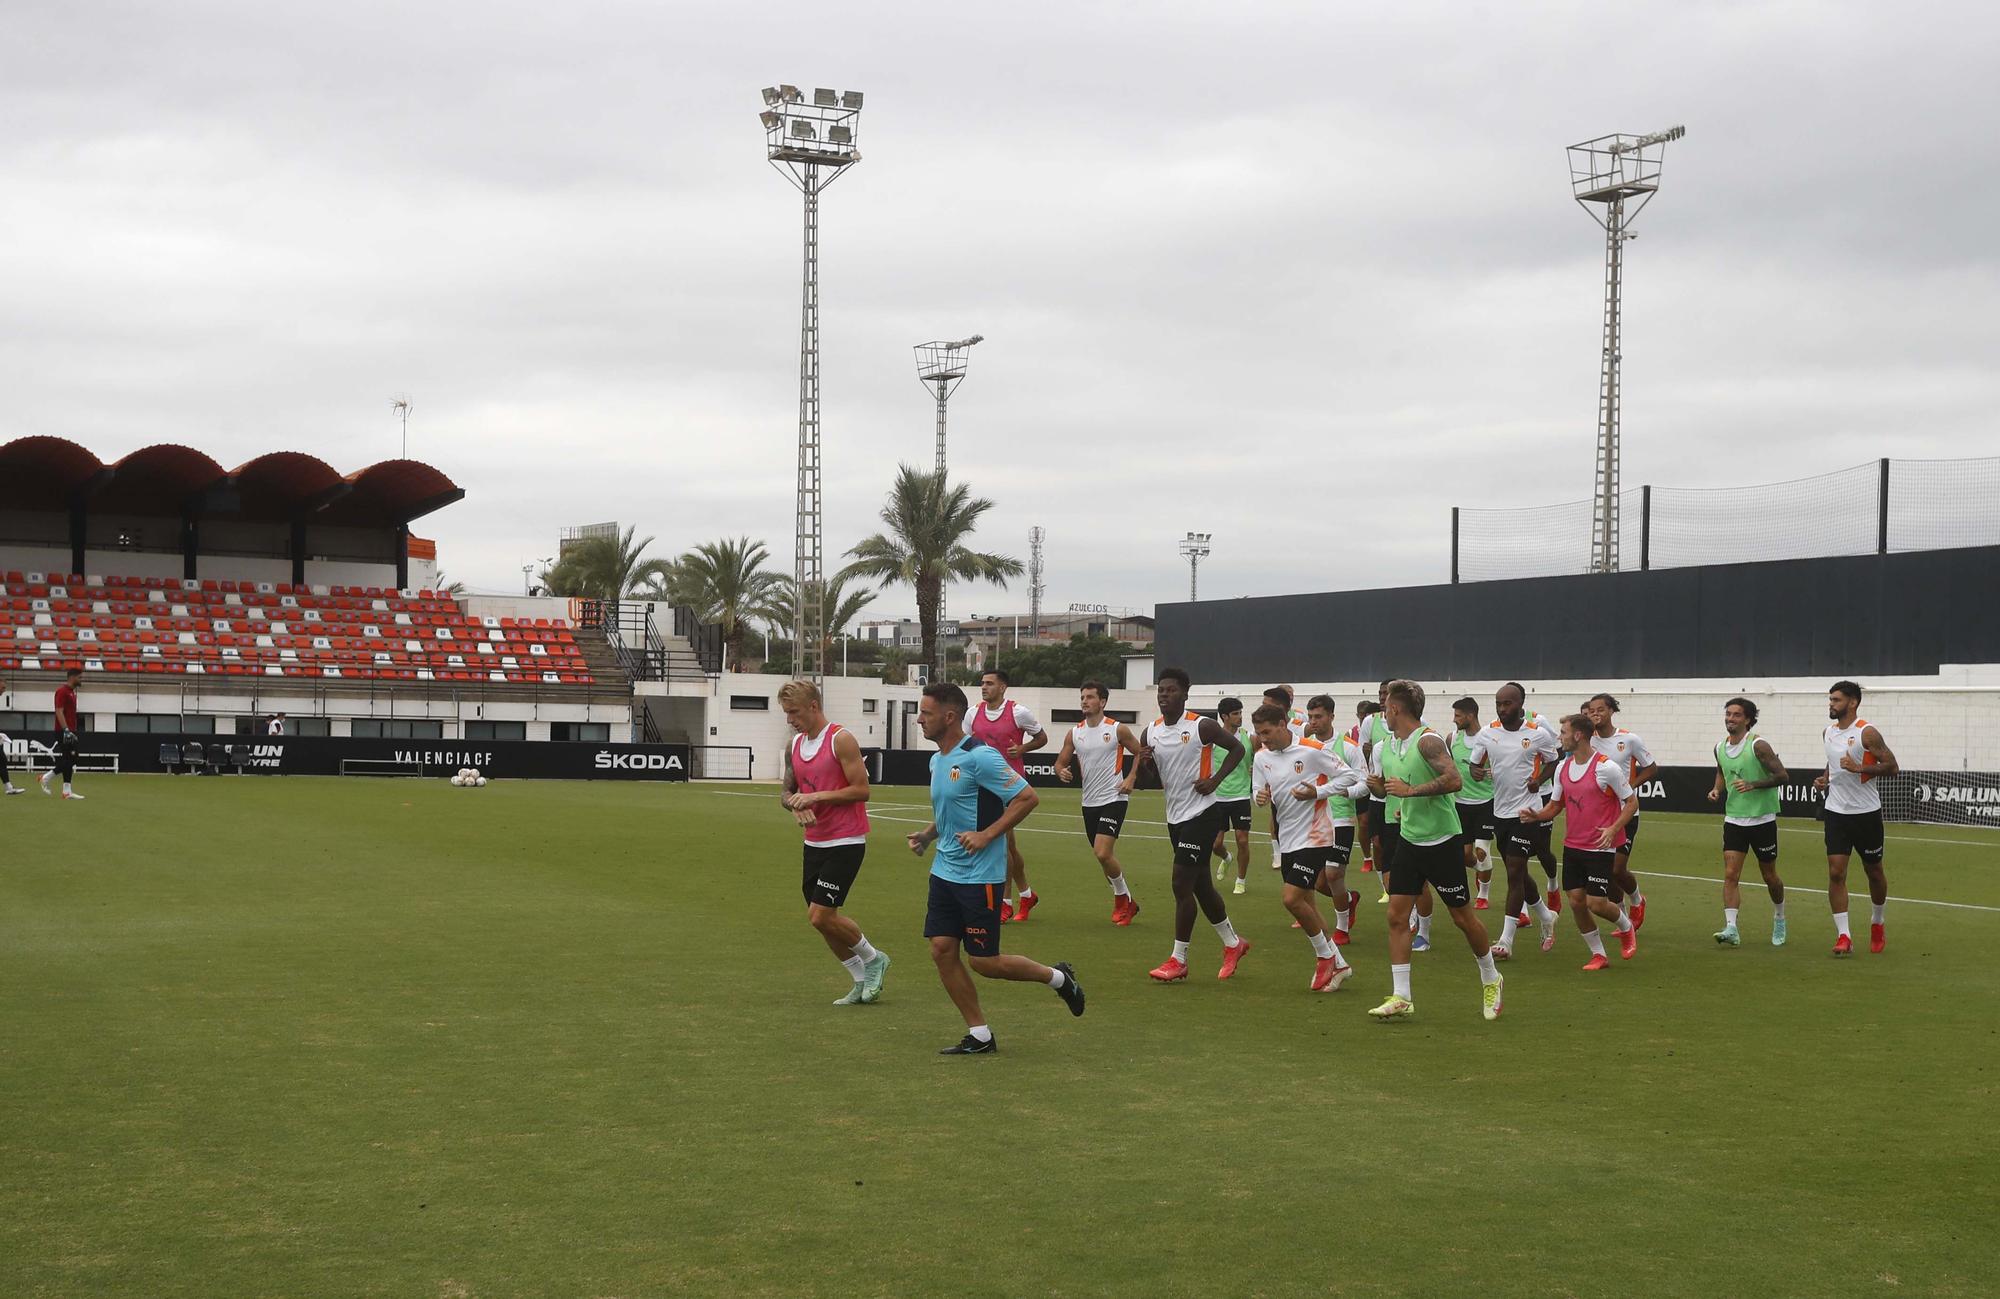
826, 791
1596, 796
1015, 733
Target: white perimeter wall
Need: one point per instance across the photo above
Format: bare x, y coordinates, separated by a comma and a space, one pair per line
153, 563
103, 705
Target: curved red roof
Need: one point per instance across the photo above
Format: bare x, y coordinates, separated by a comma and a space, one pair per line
163, 472
399, 489
43, 473
46, 473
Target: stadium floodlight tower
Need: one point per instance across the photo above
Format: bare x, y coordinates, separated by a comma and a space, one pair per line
810, 144
1613, 177
940, 368
1195, 545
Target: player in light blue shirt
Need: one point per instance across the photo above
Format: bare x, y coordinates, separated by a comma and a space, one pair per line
976, 798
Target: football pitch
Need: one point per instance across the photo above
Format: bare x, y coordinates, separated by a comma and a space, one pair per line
296, 1037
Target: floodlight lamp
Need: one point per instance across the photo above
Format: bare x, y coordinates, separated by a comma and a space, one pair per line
825, 98
840, 134
790, 93
803, 130
771, 95
772, 121
852, 99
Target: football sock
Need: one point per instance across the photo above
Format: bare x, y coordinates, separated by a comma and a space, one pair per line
1399, 980
1840, 924
1483, 886
1877, 914
1322, 945
1119, 887
1027, 893
864, 950
1624, 923
1056, 979
1595, 942
1729, 917
980, 1033
1777, 910
1543, 912
1508, 925
1227, 933
854, 964
1488, 972
1342, 919
1180, 951
1424, 928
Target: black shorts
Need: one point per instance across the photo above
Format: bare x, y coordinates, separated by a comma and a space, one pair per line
1855, 832
1301, 868
1391, 834
1475, 821
967, 912
1527, 838
1761, 839
1105, 818
1369, 807
830, 873
1440, 865
1631, 833
1194, 839
1589, 870
1235, 814
1343, 845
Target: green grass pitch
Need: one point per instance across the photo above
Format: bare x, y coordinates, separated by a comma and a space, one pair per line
291, 1037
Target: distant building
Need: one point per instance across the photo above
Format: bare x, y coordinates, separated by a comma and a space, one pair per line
585, 532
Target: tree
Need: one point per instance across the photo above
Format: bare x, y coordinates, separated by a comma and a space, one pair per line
606, 568
929, 521
1071, 663
442, 587
726, 583
843, 606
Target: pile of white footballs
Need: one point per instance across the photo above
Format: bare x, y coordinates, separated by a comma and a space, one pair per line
468, 778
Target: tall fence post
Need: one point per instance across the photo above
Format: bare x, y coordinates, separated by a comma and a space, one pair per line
1645, 527
1454, 545
1882, 511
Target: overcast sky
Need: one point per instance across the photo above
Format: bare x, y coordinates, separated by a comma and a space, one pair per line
1235, 264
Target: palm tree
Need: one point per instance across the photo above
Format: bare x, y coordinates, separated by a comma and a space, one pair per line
442, 587
929, 521
842, 607
727, 584
605, 568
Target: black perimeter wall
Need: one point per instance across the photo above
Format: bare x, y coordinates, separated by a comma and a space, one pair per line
1849, 616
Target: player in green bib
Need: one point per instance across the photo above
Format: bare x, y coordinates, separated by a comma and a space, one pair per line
1474, 798
1419, 775
1232, 796
1748, 777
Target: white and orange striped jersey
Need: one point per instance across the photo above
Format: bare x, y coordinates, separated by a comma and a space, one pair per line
1848, 792
1100, 758
1181, 759
1626, 749
1304, 823
1517, 762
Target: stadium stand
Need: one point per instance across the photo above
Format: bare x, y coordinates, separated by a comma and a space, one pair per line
245, 628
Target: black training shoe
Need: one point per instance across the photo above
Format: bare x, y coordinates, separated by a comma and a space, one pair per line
970, 1045
1071, 992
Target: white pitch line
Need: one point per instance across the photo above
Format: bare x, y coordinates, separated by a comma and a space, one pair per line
1154, 838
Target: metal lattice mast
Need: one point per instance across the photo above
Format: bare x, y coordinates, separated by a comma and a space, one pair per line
810, 145
1607, 172
810, 618
941, 368
1196, 546
1035, 587
1604, 506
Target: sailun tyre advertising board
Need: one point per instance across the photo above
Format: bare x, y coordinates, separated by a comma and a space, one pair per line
308, 755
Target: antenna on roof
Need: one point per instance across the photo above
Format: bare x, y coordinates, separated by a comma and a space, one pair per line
402, 407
